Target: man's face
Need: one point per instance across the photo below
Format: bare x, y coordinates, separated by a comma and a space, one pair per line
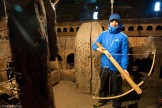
114, 23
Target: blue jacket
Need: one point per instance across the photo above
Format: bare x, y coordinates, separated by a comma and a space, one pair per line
116, 43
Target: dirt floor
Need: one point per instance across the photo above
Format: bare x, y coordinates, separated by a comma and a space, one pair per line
67, 96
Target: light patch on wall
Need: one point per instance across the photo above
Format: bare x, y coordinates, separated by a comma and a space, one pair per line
95, 15
92, 1
157, 6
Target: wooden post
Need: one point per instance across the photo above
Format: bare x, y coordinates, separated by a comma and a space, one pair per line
29, 48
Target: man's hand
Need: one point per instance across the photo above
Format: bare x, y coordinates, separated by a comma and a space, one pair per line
126, 73
101, 49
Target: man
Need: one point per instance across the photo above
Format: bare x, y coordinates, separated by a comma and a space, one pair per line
116, 43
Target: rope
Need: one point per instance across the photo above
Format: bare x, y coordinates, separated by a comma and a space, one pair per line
6, 15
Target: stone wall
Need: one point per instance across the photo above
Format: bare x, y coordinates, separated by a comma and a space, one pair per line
4, 51
137, 31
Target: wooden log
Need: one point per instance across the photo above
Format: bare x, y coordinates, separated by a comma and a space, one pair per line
29, 48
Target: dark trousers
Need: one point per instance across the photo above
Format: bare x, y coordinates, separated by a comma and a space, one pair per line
110, 87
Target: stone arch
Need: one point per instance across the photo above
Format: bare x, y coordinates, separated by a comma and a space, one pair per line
149, 28
139, 28
159, 27
123, 29
64, 29
143, 65
70, 61
131, 28
58, 30
77, 28
71, 29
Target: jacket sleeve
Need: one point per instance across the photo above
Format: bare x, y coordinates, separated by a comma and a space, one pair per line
98, 39
125, 51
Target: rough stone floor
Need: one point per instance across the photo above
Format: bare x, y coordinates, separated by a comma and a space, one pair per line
66, 95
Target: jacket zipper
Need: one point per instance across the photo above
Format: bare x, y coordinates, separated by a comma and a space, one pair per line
112, 43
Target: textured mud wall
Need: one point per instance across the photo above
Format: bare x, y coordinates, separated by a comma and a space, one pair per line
4, 51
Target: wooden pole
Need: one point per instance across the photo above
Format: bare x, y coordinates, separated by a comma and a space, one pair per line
123, 73
29, 48
112, 7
